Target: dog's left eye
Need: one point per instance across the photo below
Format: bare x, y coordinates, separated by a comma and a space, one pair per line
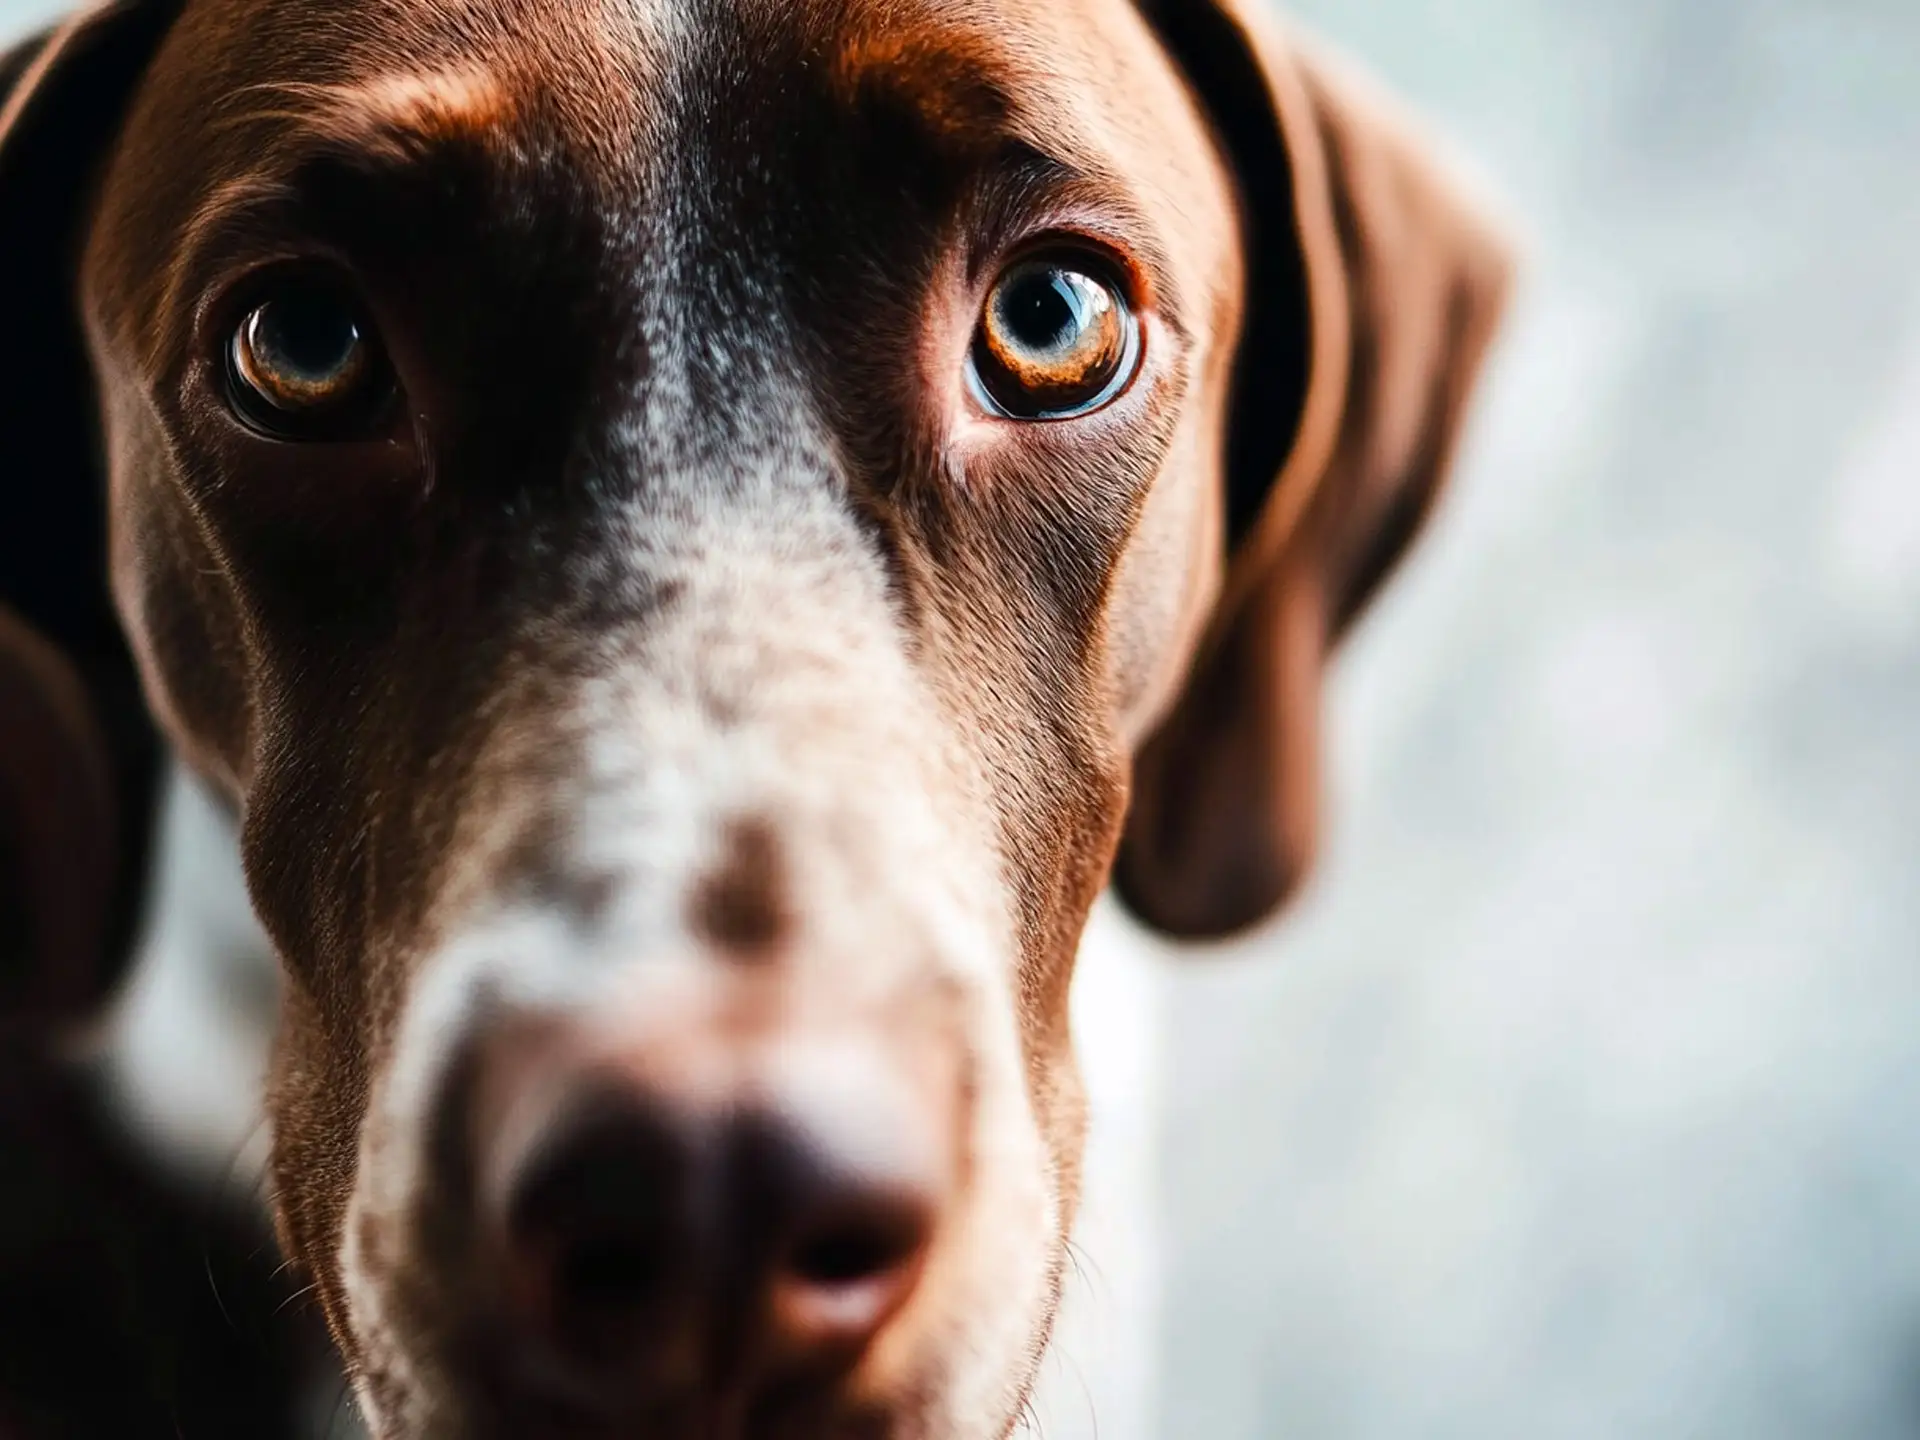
1056, 339
304, 364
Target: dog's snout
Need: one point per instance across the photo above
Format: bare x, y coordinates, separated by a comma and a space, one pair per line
593, 1231
654, 1239
635, 1224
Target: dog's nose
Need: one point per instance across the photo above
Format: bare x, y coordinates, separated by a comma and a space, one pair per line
675, 1241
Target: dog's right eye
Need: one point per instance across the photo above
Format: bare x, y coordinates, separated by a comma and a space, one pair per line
1056, 340
304, 364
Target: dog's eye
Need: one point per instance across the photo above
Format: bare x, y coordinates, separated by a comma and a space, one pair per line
1055, 340
304, 364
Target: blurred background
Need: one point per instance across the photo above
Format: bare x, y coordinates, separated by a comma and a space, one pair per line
1581, 1094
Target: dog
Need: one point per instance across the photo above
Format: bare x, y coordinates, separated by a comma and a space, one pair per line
693, 540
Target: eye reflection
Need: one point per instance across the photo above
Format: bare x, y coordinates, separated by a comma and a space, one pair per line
1054, 341
303, 364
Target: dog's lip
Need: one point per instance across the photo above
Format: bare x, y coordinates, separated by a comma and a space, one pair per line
523, 1395
705, 1422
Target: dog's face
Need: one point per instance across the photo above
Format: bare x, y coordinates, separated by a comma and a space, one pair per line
674, 524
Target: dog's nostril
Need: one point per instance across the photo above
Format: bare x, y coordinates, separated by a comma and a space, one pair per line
611, 1276
648, 1241
595, 1224
857, 1248
845, 1275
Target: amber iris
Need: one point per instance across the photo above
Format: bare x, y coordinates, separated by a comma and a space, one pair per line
1055, 340
303, 363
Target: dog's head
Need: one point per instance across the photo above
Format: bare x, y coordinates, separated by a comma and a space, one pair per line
682, 526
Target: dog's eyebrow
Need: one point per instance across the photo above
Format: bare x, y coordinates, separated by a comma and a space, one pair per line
963, 94
1030, 190
953, 88
384, 129
390, 116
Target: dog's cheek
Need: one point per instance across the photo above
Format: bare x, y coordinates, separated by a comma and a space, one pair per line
1060, 1103
1153, 625
182, 619
315, 1106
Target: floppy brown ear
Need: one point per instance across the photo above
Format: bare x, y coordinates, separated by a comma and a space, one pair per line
1374, 287
58, 831
78, 757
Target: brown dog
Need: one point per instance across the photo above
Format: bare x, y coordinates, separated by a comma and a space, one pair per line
696, 535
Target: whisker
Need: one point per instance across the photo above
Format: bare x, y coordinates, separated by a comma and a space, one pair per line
206, 1264
232, 1167
298, 1295
1029, 1421
1088, 1270
219, 1201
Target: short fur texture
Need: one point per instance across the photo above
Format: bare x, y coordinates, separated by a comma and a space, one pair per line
691, 646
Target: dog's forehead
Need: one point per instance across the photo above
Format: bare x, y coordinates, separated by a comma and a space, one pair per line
652, 118
613, 78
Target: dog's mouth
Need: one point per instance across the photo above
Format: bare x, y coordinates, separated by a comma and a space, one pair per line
629, 1371
535, 1399
527, 1390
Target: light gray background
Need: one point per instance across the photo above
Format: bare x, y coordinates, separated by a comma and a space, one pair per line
1582, 1096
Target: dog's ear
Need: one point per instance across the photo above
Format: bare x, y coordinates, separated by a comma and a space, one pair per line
78, 757
1373, 288
58, 832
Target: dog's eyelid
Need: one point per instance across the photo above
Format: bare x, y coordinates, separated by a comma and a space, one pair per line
266, 392
232, 285
1138, 270
1033, 201
306, 192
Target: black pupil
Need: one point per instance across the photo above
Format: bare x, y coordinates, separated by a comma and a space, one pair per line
1039, 310
311, 336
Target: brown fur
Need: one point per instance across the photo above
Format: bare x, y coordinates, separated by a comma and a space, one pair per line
56, 828
741, 906
374, 648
